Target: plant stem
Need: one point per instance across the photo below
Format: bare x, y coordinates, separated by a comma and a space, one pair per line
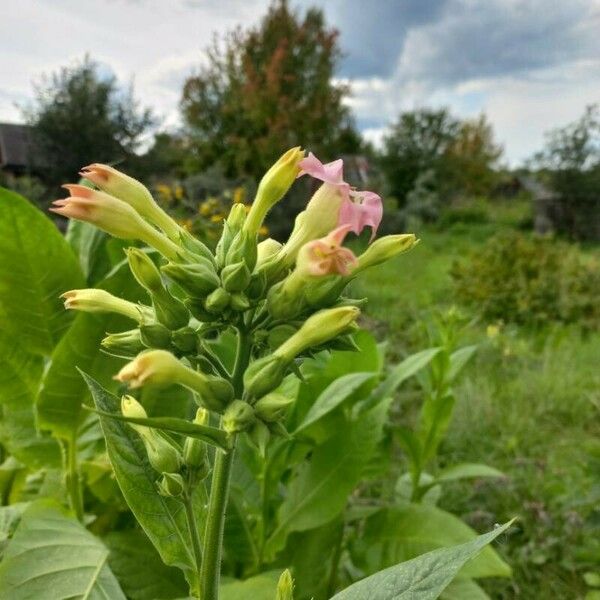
215, 523
193, 527
73, 482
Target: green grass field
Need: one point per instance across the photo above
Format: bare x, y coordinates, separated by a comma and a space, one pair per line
528, 405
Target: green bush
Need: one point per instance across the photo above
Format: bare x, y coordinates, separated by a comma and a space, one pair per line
530, 281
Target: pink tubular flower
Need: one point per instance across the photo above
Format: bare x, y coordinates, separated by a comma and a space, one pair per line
362, 209
327, 256
331, 173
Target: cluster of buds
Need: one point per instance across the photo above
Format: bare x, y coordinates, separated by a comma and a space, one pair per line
284, 301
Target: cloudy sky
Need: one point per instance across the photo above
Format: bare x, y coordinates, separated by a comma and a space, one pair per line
529, 64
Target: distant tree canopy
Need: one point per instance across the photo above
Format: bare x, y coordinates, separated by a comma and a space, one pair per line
79, 117
461, 154
266, 89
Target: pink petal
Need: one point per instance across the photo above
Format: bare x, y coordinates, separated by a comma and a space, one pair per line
332, 172
362, 210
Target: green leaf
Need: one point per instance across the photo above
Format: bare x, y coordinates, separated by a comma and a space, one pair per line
422, 578
397, 534
89, 244
333, 395
320, 489
459, 359
63, 390
138, 567
162, 519
260, 587
10, 517
240, 546
36, 267
54, 557
206, 433
467, 471
464, 589
19, 379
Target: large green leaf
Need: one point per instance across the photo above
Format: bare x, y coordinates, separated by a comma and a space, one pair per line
260, 587
19, 378
138, 567
422, 578
63, 390
36, 267
397, 534
464, 589
320, 489
162, 519
459, 359
52, 556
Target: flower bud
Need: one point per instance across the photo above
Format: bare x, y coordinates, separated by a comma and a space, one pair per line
266, 249
144, 270
198, 310
126, 344
318, 329
195, 246
155, 335
285, 586
195, 452
235, 277
171, 485
325, 291
197, 279
258, 284
170, 311
231, 228
384, 249
132, 192
114, 216
185, 339
273, 407
217, 301
273, 186
280, 334
259, 435
264, 375
285, 299
243, 248
239, 302
101, 301
238, 417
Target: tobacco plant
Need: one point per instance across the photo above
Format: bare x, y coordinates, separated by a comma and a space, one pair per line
258, 461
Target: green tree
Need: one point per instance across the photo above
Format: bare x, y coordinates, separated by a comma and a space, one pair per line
79, 117
266, 89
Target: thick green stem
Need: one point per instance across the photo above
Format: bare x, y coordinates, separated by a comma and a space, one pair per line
193, 527
215, 524
73, 481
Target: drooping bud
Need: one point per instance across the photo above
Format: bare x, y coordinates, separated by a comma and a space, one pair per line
126, 344
197, 279
132, 192
273, 186
195, 452
318, 329
238, 417
171, 485
285, 586
264, 375
101, 301
273, 407
235, 277
217, 301
384, 249
114, 216
155, 335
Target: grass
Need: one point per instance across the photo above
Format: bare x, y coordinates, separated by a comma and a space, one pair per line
528, 405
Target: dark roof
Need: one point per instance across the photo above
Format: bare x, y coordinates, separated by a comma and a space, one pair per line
14, 145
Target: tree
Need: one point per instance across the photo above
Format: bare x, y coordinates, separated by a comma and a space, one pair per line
417, 142
79, 117
267, 89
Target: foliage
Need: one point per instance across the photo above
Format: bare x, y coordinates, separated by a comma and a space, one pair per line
519, 279
80, 116
267, 87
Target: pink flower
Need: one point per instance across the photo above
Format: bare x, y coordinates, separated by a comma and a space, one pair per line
362, 209
331, 173
327, 256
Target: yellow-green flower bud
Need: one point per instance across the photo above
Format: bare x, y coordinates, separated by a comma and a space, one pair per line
385, 248
126, 344
285, 299
239, 302
273, 187
171, 485
217, 301
195, 246
185, 339
197, 279
238, 417
170, 311
155, 335
318, 329
266, 249
101, 301
264, 375
259, 435
285, 586
231, 228
235, 277
144, 270
273, 407
195, 452
325, 291
243, 248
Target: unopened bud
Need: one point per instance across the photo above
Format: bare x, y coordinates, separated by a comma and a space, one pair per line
194, 245
217, 301
238, 417
285, 586
144, 270
323, 292
266, 249
197, 279
239, 302
264, 375
171, 485
195, 452
126, 344
285, 299
170, 311
273, 407
273, 186
242, 249
235, 277
155, 335
231, 228
185, 339
385, 248
258, 285
259, 435
101, 301
198, 310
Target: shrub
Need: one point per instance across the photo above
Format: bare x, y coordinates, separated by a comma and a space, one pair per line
530, 281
